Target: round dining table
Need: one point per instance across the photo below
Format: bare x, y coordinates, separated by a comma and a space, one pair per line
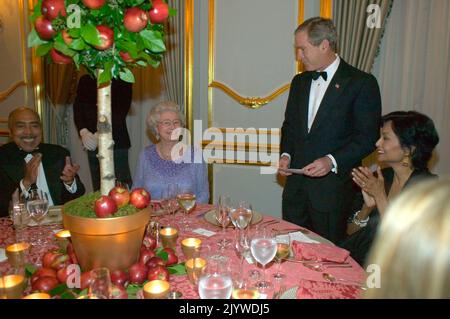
303, 278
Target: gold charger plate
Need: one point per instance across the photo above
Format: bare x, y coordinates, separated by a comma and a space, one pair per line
210, 218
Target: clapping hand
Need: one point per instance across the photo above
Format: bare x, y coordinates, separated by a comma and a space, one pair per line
69, 172
31, 170
371, 185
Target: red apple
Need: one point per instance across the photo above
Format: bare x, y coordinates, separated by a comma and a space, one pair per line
62, 275
44, 284
138, 273
106, 37
51, 9
94, 4
66, 37
60, 58
140, 198
155, 261
149, 242
159, 12
105, 206
171, 256
119, 278
120, 195
126, 57
60, 261
44, 28
85, 280
146, 255
135, 19
43, 272
49, 257
158, 273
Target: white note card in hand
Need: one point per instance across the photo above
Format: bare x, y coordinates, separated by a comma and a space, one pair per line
204, 232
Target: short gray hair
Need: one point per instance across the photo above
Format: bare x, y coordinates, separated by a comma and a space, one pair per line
156, 111
319, 29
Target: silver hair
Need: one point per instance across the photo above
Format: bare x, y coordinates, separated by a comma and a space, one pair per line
156, 111
319, 29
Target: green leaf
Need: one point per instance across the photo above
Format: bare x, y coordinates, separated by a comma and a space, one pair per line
127, 76
90, 34
153, 41
34, 39
64, 49
75, 33
105, 76
36, 11
132, 290
58, 290
142, 63
43, 49
77, 44
29, 270
162, 254
178, 269
68, 295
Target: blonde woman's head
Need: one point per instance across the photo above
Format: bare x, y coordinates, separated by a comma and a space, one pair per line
161, 114
412, 246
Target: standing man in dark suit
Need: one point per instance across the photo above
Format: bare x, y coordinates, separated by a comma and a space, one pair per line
332, 122
26, 162
85, 116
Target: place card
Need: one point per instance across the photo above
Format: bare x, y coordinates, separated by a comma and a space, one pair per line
299, 236
204, 232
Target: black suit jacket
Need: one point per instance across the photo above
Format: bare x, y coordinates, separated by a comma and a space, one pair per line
85, 108
12, 171
346, 126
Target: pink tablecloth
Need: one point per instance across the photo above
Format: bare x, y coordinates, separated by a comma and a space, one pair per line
311, 283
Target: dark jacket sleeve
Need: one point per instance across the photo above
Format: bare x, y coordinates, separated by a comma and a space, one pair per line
7, 188
366, 126
289, 124
85, 104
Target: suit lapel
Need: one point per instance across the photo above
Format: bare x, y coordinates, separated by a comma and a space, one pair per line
337, 85
304, 91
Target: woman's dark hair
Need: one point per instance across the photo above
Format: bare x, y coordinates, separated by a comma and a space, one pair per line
416, 132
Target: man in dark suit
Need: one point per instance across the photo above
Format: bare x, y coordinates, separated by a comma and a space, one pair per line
332, 122
26, 162
85, 117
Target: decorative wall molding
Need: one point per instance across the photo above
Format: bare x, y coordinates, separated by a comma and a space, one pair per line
4, 95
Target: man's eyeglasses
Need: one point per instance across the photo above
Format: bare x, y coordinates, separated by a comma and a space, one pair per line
168, 123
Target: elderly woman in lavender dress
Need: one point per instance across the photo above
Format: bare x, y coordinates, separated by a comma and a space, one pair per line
157, 167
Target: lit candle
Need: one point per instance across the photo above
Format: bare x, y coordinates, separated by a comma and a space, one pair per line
16, 253
169, 237
190, 246
243, 293
38, 295
156, 289
63, 238
12, 286
194, 268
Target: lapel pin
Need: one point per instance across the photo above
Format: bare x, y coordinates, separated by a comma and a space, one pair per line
337, 86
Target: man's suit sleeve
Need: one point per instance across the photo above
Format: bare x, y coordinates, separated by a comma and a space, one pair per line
84, 99
288, 128
366, 126
7, 187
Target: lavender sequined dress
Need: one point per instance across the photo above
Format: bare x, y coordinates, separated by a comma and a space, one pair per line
154, 174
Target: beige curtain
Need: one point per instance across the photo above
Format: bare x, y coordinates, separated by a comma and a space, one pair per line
173, 61
60, 82
413, 68
358, 44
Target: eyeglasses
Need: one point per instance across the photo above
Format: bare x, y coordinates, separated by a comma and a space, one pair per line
168, 123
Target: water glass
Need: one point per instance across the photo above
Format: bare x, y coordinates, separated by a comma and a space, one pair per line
100, 286
264, 248
37, 206
216, 281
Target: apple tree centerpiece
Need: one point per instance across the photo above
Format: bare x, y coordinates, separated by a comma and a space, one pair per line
108, 38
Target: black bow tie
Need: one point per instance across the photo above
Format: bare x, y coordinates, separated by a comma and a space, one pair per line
315, 75
24, 154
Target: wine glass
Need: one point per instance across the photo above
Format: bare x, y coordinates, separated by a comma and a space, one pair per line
19, 214
223, 218
283, 250
263, 247
100, 286
169, 202
241, 215
186, 198
216, 281
37, 206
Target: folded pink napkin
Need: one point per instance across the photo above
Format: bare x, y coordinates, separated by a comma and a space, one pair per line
319, 252
309, 289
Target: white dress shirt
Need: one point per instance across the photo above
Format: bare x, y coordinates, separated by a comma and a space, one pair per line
41, 182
